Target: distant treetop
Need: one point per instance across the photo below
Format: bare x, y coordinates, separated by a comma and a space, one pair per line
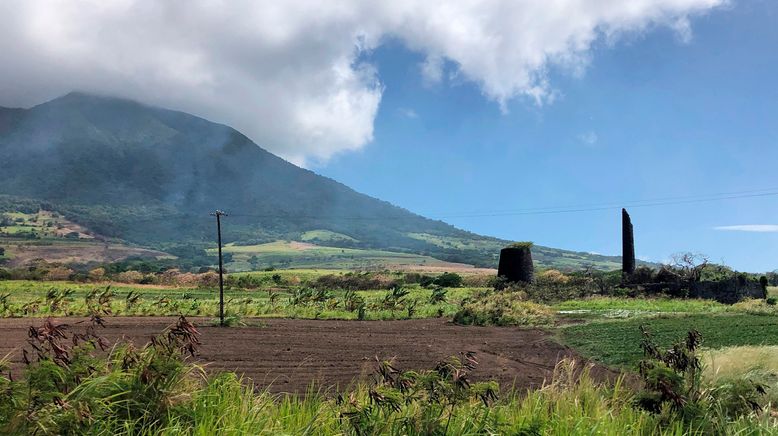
524, 244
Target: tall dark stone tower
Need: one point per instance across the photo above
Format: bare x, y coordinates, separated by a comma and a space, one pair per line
516, 263
627, 244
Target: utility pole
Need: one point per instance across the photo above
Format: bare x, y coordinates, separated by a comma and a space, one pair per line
218, 214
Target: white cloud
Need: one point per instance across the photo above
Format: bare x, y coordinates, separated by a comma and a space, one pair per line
287, 73
588, 138
408, 112
432, 69
759, 228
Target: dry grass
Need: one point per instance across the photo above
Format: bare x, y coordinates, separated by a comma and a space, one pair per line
736, 361
76, 252
755, 363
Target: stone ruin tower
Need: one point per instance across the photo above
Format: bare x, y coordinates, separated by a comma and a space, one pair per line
627, 244
516, 263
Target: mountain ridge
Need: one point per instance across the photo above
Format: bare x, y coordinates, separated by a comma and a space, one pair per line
150, 176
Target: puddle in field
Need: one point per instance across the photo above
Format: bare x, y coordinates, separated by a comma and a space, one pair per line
610, 313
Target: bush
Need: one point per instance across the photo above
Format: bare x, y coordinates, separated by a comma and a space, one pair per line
503, 309
130, 277
552, 277
642, 274
97, 274
59, 273
448, 280
674, 387
355, 281
479, 280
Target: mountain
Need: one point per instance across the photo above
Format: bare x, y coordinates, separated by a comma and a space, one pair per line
151, 177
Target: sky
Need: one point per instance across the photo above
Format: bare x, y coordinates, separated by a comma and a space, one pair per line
483, 113
652, 117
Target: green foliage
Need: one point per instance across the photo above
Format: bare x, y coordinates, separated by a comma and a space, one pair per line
674, 387
158, 205
438, 295
66, 389
434, 396
80, 299
605, 340
502, 309
115, 399
671, 377
352, 301
523, 245
70, 389
448, 280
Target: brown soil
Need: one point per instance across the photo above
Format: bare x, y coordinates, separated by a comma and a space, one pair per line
22, 254
288, 355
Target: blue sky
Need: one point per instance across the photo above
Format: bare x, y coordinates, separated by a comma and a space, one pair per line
651, 116
519, 104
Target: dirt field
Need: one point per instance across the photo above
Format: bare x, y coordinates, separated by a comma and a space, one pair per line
288, 355
81, 252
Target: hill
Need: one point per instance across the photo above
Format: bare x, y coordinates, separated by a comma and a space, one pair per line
151, 176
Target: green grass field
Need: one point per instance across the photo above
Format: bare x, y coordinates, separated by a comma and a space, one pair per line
29, 298
325, 235
607, 331
43, 224
606, 307
617, 342
570, 403
282, 254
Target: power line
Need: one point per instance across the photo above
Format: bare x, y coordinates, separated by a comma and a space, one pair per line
620, 204
611, 207
547, 210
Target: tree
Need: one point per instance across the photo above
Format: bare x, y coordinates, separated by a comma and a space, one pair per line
689, 266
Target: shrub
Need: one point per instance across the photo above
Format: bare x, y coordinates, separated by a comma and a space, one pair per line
97, 274
59, 273
674, 386
448, 280
479, 280
438, 295
129, 277
553, 277
503, 309
355, 281
642, 274
208, 279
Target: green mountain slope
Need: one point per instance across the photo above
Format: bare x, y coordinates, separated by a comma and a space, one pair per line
151, 176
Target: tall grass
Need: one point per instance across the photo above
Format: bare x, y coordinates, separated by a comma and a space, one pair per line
756, 364
60, 299
154, 391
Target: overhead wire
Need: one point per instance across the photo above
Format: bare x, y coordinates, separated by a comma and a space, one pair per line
547, 210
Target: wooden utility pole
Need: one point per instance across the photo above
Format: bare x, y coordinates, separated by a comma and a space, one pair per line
218, 214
